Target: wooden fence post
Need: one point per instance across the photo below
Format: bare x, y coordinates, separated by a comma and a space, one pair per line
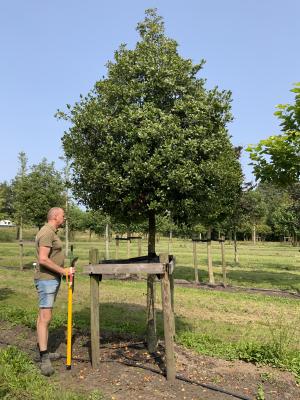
151, 315
222, 241
195, 261
107, 242
171, 276
95, 323
211, 277
168, 321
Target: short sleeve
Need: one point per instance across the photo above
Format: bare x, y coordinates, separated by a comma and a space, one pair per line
46, 240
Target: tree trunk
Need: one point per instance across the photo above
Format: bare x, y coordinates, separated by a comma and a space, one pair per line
67, 238
230, 237
236, 256
211, 278
128, 244
152, 232
117, 246
21, 244
254, 234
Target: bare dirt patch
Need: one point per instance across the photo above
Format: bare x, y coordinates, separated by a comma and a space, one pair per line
128, 371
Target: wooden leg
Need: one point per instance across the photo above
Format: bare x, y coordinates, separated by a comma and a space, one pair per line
168, 327
172, 303
95, 323
151, 315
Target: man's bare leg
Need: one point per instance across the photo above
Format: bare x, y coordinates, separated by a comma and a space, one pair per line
44, 318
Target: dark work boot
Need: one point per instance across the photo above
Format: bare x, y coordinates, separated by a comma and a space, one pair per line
53, 356
46, 366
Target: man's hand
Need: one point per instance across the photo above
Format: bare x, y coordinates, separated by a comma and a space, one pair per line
69, 271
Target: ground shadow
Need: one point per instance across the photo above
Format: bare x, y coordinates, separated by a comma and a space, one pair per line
244, 277
119, 322
188, 273
28, 266
5, 293
284, 279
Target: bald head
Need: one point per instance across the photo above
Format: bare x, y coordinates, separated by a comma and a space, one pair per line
56, 217
54, 212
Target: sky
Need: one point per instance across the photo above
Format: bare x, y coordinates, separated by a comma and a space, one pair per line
54, 50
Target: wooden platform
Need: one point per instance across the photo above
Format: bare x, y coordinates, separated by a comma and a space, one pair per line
163, 267
130, 268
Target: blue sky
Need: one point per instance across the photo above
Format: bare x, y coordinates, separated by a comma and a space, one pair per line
51, 51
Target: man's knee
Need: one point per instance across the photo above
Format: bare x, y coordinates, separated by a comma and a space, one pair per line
45, 315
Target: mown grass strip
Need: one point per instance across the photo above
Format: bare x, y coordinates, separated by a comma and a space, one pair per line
21, 380
258, 353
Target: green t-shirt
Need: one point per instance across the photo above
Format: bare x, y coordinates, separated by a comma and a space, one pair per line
47, 237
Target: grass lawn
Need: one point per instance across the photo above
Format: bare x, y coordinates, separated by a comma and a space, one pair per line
265, 265
253, 327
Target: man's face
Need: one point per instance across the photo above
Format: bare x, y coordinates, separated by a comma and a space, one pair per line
60, 218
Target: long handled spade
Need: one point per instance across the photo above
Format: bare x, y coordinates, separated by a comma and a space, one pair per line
70, 283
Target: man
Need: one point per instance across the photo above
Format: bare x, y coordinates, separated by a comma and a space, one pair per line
49, 270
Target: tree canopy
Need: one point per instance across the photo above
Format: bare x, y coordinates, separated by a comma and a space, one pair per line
6, 209
277, 158
150, 137
37, 191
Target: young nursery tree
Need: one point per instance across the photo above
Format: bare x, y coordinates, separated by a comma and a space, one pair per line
37, 191
277, 158
150, 137
6, 202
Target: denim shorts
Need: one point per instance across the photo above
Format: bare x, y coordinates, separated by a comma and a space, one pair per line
47, 291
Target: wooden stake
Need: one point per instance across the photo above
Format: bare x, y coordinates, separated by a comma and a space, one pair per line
95, 323
172, 297
107, 242
209, 258
195, 261
151, 315
168, 323
222, 240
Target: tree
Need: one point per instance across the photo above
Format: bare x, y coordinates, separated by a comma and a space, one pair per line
150, 137
95, 221
286, 216
18, 191
277, 158
6, 201
254, 209
77, 219
38, 191
19, 201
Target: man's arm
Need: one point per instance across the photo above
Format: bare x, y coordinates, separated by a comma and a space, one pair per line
45, 261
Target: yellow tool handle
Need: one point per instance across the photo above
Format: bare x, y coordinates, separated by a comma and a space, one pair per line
69, 334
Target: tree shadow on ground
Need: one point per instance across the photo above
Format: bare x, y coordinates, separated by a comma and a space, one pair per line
188, 273
5, 293
282, 279
119, 322
27, 266
244, 277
